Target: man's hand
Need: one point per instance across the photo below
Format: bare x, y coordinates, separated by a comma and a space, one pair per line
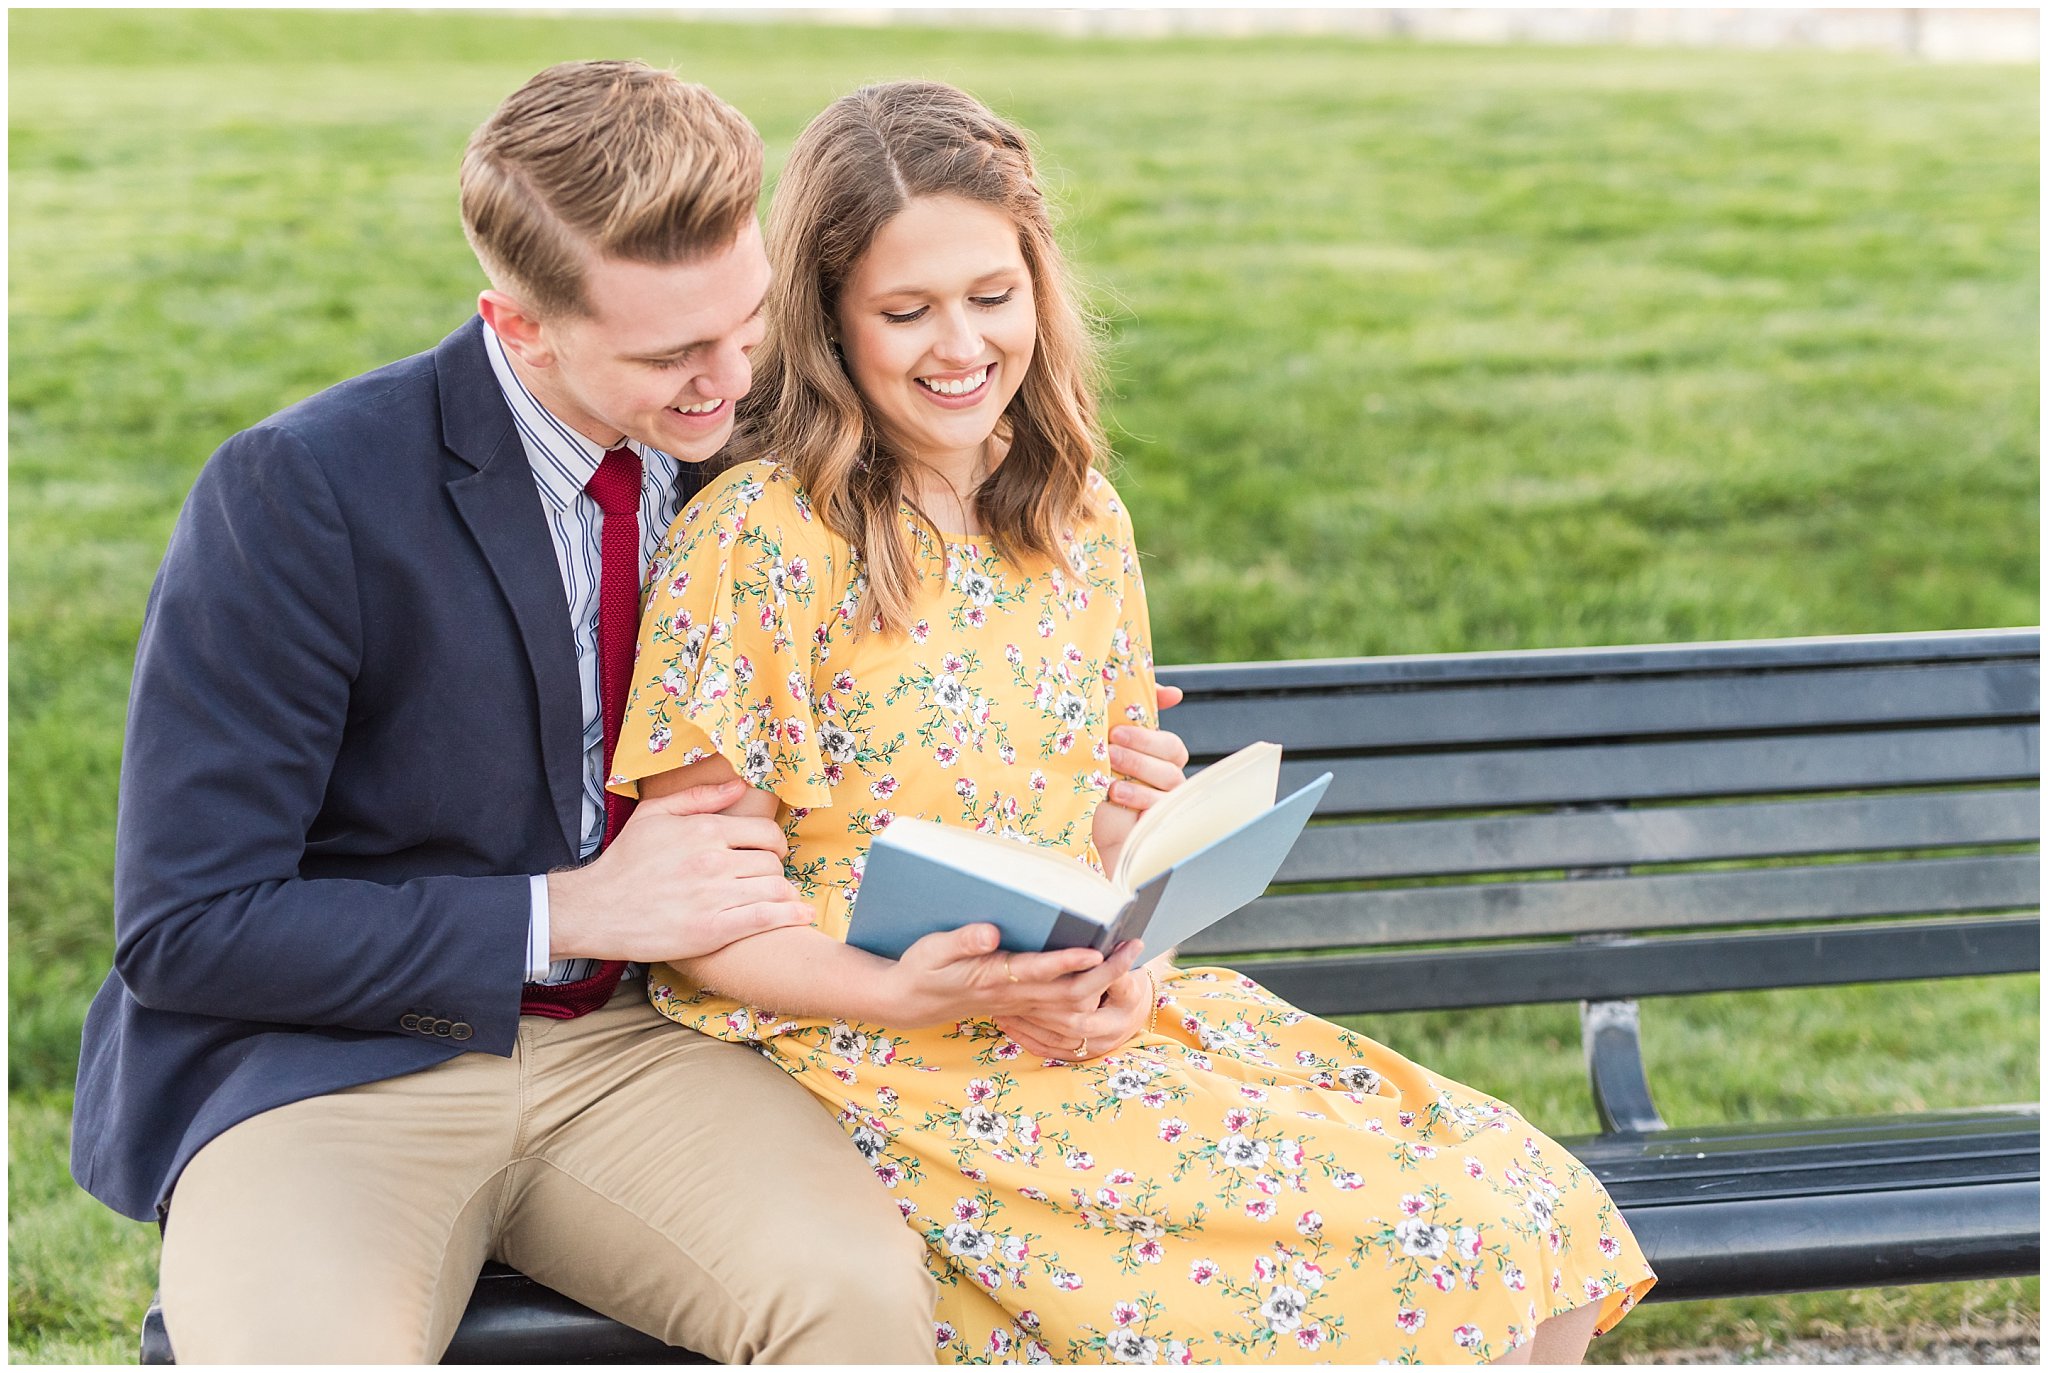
1125, 1008
680, 880
1150, 762
962, 974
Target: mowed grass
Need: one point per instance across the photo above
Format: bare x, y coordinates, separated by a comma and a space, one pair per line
1414, 350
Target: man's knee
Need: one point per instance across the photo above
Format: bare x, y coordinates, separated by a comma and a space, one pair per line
289, 1241
293, 1328
849, 1288
852, 1304
877, 1288
309, 1301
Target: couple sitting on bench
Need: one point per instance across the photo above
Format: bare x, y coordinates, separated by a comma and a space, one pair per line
388, 733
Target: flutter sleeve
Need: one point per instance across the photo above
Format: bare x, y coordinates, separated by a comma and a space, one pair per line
735, 600
1133, 694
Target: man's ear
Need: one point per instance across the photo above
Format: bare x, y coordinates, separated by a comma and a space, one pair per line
520, 330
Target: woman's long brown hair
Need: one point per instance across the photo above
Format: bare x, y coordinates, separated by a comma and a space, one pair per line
853, 169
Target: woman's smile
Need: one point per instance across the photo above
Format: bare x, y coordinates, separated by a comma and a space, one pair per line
957, 390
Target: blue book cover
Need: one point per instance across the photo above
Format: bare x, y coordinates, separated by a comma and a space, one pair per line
922, 877
1227, 874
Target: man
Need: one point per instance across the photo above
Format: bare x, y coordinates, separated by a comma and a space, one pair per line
375, 1013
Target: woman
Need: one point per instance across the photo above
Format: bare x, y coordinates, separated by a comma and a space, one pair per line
1191, 1170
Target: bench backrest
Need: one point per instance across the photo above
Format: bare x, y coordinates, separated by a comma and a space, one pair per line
1611, 823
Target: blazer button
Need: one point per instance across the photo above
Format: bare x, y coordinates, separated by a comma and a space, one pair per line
460, 1030
408, 1021
442, 1028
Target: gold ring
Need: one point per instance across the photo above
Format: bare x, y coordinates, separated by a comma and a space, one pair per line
1082, 1052
1006, 969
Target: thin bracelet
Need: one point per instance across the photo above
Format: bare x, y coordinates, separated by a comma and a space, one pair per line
1152, 1020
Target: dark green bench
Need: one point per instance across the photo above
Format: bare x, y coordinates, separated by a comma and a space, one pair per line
1607, 825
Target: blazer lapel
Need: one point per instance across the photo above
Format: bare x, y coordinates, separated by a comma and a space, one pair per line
493, 491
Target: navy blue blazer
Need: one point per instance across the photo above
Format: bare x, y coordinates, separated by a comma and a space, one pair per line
355, 730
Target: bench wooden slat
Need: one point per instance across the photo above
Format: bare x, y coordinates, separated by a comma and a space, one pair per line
1683, 834
1928, 1169
1648, 660
1853, 1239
1599, 905
1798, 1172
1491, 779
1827, 1132
1453, 979
1831, 699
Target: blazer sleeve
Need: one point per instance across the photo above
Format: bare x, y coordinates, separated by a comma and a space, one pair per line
250, 643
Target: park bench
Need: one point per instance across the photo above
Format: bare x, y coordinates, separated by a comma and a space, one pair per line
1607, 825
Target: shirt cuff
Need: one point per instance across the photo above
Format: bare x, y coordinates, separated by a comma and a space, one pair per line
537, 961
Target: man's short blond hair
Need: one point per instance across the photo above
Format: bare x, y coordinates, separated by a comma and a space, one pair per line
612, 159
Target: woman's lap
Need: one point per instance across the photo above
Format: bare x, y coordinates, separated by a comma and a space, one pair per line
1247, 1181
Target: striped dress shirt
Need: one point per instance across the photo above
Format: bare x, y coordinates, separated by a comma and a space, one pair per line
563, 462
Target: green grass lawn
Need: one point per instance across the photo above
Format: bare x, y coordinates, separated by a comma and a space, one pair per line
1415, 349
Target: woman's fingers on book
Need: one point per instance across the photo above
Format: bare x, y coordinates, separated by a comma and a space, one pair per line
1055, 991
1161, 744
1150, 763
1125, 956
961, 958
969, 941
970, 957
1087, 987
1052, 968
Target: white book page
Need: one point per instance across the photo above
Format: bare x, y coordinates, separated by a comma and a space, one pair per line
1226, 794
1026, 867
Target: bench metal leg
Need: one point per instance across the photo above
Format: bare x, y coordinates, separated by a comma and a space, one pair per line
156, 1344
1614, 1062
1610, 1032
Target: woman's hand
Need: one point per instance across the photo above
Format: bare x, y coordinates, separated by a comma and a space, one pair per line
1125, 1008
1151, 763
962, 975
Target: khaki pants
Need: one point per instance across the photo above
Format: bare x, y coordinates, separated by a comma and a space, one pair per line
683, 1186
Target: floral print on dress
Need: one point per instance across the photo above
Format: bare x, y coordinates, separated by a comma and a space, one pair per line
1244, 1182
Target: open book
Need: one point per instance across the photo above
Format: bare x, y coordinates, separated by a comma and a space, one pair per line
1210, 846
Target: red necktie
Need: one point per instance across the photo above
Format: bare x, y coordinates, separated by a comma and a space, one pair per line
615, 486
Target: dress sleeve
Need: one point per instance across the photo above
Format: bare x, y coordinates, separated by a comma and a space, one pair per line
736, 601
1133, 694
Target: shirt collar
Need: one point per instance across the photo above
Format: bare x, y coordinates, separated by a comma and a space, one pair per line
563, 460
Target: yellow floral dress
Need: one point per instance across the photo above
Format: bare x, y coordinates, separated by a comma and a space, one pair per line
1244, 1182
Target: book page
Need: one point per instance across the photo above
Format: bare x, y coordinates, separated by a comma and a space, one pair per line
1024, 867
1228, 793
